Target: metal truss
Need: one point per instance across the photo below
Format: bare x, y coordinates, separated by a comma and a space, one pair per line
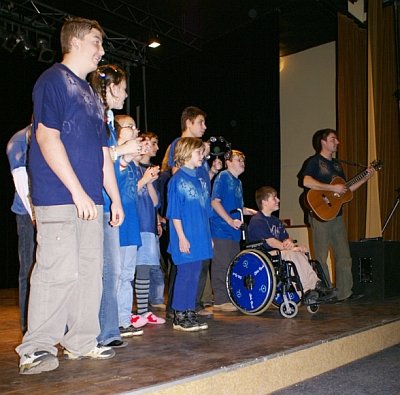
46, 21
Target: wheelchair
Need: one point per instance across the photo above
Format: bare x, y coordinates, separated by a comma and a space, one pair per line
256, 279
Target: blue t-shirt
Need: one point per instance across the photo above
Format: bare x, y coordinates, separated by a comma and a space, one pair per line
228, 189
17, 148
65, 102
264, 227
129, 233
147, 210
324, 170
189, 201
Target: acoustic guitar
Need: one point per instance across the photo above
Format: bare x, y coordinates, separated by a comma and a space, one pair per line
327, 204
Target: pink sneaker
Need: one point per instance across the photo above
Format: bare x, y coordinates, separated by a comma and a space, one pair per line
138, 321
153, 319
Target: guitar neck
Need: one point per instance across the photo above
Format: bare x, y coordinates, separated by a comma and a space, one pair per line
357, 178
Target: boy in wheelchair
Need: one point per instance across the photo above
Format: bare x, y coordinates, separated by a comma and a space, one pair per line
264, 226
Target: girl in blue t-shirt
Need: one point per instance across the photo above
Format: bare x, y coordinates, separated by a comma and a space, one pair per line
109, 82
189, 212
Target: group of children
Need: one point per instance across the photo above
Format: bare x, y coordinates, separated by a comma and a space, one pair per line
95, 196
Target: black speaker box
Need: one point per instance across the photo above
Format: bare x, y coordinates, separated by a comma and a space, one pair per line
376, 269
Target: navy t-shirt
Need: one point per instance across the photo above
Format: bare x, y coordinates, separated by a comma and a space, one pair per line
65, 102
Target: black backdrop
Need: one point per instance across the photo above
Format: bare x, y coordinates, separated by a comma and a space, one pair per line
235, 80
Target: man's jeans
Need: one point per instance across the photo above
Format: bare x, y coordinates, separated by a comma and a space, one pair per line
26, 249
108, 315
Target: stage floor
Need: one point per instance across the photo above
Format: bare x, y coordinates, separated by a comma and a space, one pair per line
163, 355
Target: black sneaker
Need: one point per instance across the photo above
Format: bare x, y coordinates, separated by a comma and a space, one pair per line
191, 315
38, 362
182, 323
310, 297
130, 331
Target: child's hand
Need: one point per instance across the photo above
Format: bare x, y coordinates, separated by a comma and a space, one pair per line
133, 147
151, 174
184, 245
235, 223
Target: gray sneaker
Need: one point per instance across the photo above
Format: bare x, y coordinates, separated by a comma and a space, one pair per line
38, 362
99, 352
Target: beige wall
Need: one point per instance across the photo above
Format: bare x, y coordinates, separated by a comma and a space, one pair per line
307, 103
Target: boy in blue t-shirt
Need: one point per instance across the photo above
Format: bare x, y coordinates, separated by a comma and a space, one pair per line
69, 165
190, 241
227, 195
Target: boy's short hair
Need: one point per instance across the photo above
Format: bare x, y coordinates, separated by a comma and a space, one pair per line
190, 113
264, 193
184, 148
148, 135
321, 135
76, 27
235, 153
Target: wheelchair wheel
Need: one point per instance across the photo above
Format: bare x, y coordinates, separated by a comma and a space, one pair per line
291, 295
289, 312
313, 308
251, 282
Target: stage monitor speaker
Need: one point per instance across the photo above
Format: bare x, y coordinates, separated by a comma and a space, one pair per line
376, 269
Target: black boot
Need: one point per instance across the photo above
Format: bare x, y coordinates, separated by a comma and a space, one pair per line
324, 292
182, 323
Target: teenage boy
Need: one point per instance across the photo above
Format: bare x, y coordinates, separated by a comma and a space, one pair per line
69, 165
193, 124
265, 226
227, 195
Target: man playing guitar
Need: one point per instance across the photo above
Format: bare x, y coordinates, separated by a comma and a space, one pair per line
319, 172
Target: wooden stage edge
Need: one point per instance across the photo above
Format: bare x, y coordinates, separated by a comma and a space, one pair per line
238, 354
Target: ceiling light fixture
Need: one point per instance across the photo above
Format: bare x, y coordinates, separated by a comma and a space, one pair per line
46, 54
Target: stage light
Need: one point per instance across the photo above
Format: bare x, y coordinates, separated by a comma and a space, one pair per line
25, 44
154, 41
46, 54
10, 42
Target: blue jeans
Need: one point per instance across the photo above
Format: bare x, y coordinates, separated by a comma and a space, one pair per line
156, 293
125, 290
108, 315
186, 284
26, 249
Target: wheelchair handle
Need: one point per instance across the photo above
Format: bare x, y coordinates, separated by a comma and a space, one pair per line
242, 227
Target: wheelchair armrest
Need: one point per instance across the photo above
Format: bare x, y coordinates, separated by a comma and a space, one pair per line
255, 244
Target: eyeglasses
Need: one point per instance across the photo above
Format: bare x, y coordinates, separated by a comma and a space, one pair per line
241, 160
131, 127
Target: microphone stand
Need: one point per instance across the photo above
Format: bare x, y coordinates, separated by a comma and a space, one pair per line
393, 210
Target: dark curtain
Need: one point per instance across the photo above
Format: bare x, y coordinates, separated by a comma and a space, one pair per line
385, 109
352, 115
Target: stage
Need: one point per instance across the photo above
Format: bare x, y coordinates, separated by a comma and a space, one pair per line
238, 354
